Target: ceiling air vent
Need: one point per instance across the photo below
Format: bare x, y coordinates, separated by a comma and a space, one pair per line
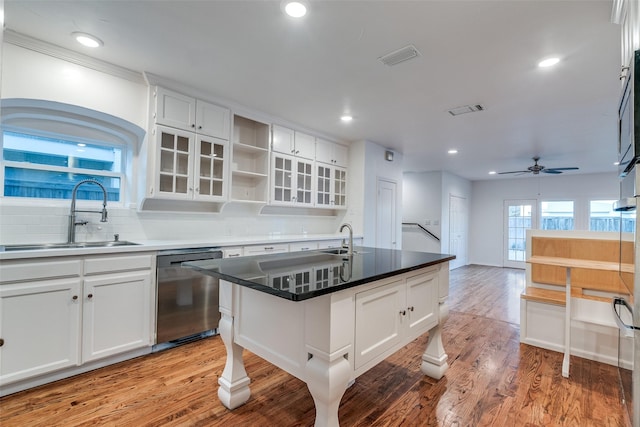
466, 109
400, 55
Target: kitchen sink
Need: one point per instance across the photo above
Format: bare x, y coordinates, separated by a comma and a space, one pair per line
43, 246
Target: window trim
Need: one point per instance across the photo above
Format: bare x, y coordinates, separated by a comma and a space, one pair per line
73, 123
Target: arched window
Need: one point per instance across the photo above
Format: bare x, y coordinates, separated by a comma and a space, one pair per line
48, 147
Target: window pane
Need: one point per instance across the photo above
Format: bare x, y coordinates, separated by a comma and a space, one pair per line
49, 168
55, 152
557, 215
602, 217
56, 185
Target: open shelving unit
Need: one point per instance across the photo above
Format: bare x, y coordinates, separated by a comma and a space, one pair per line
250, 162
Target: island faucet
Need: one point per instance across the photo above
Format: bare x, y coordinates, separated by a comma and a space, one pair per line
349, 246
71, 236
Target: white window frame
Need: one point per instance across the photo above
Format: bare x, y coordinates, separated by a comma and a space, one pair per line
72, 123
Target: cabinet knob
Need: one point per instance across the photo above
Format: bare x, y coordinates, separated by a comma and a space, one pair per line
193, 125
411, 308
403, 313
1, 342
199, 127
90, 296
75, 297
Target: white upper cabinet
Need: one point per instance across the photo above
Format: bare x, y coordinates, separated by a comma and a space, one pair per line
187, 113
305, 145
282, 139
288, 141
332, 153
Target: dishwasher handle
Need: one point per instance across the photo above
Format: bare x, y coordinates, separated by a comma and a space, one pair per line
621, 302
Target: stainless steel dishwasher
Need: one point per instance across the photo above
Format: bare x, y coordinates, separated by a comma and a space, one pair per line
187, 301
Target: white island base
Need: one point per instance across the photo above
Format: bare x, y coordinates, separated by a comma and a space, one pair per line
329, 340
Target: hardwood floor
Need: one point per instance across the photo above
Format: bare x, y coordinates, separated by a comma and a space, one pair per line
493, 380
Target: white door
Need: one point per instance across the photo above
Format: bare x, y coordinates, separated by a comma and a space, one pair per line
458, 217
386, 215
519, 216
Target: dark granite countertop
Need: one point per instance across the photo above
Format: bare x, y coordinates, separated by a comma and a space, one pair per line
298, 276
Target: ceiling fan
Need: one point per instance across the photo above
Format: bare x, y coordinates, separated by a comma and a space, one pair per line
536, 169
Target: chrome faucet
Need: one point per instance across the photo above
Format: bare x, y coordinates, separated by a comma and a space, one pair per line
71, 236
349, 246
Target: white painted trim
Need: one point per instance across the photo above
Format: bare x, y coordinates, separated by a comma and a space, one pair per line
58, 52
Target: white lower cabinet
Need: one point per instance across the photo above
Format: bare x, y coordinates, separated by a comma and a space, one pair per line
388, 315
53, 318
116, 314
39, 327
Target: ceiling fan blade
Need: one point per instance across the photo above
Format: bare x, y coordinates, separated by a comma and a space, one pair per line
503, 173
552, 171
563, 169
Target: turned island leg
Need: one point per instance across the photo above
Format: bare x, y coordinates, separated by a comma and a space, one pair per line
234, 382
434, 359
327, 380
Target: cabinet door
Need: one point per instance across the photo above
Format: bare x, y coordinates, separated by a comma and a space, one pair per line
324, 151
303, 182
340, 155
211, 162
174, 160
323, 185
282, 190
175, 110
39, 326
422, 303
305, 145
282, 140
212, 120
116, 314
378, 321
339, 194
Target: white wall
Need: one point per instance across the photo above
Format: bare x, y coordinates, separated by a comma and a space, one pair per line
375, 166
487, 206
426, 201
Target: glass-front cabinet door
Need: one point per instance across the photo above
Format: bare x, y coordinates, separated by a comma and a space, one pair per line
304, 182
282, 175
340, 187
174, 161
211, 168
323, 190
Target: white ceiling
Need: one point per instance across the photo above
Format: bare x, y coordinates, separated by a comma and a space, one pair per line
311, 71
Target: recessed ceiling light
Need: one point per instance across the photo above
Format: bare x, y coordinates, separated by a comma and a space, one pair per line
616, 163
295, 9
452, 151
549, 62
87, 40
346, 118
492, 172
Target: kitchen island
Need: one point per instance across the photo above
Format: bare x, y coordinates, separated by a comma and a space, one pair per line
326, 317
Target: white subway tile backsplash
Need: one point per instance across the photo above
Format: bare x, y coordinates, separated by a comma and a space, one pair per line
36, 224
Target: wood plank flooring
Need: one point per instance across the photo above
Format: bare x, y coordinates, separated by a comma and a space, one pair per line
493, 380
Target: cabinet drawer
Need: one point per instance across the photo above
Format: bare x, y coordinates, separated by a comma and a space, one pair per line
302, 246
265, 249
29, 270
113, 264
231, 252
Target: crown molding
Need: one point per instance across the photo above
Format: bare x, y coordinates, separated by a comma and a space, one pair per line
64, 54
